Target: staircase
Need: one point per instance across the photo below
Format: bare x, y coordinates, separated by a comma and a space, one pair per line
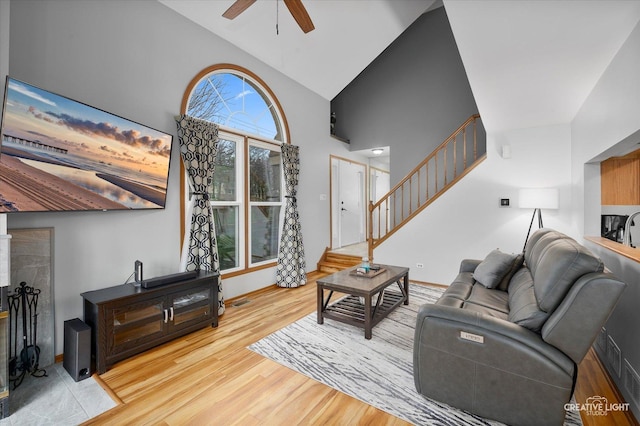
334, 262
444, 167
455, 157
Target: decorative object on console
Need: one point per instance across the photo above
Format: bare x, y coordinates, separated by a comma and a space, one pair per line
137, 271
169, 279
537, 199
62, 155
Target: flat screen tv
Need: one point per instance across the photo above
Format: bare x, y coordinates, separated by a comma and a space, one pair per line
58, 154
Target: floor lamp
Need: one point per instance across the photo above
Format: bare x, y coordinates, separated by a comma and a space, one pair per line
537, 199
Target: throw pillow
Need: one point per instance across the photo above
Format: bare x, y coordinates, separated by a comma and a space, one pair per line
493, 268
515, 267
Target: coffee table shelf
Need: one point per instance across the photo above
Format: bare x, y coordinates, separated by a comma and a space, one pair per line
351, 308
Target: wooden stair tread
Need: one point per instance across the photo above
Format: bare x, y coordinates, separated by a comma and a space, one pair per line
333, 262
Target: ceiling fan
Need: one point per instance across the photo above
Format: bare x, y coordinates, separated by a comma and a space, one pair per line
296, 8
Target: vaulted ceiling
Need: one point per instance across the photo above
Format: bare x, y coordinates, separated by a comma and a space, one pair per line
348, 35
530, 63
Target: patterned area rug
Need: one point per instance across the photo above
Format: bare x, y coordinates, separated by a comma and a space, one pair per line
377, 371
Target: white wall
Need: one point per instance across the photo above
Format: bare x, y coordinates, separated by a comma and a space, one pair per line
610, 114
135, 59
467, 221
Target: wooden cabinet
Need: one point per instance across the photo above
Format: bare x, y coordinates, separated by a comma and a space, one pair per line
126, 320
620, 180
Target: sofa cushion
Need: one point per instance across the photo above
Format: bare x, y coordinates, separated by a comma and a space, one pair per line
523, 305
494, 268
461, 287
489, 298
456, 294
515, 267
484, 310
555, 264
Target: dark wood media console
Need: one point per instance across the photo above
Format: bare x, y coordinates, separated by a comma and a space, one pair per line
126, 320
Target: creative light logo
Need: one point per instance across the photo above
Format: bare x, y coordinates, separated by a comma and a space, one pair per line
597, 406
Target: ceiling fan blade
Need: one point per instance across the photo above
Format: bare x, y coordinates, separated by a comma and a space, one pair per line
300, 14
237, 8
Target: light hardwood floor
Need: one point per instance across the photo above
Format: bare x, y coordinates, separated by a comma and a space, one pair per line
209, 377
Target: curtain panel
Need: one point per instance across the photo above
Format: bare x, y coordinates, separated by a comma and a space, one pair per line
290, 271
198, 147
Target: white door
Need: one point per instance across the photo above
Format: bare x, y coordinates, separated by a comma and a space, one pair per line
348, 180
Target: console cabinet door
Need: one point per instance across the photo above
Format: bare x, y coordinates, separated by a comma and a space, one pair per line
187, 308
135, 324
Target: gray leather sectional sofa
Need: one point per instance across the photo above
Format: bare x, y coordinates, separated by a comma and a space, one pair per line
505, 338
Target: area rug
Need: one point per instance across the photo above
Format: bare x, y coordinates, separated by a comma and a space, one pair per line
378, 372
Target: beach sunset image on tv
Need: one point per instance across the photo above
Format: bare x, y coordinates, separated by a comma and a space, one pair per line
60, 154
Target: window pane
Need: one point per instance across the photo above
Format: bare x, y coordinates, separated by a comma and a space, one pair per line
264, 232
223, 187
235, 101
264, 174
226, 220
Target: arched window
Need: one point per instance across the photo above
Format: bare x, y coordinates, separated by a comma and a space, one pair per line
247, 188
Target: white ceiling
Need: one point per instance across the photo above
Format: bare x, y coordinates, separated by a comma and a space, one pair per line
530, 63
348, 35
533, 63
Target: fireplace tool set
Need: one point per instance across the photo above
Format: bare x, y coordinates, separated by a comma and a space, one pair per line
25, 302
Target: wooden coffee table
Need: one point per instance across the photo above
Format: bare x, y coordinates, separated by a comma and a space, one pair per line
349, 309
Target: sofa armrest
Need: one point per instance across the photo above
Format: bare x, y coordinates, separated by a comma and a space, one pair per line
469, 265
574, 326
493, 330
489, 366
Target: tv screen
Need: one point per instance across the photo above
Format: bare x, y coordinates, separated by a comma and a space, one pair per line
58, 154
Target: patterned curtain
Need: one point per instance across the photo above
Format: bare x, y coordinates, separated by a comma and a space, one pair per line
198, 147
291, 263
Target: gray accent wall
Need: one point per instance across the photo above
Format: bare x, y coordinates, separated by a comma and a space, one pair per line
414, 95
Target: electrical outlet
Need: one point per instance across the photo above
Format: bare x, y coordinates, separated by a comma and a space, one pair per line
419, 265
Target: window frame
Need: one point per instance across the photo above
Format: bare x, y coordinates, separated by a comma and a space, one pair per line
245, 263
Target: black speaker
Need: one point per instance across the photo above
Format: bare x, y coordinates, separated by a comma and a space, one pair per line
77, 349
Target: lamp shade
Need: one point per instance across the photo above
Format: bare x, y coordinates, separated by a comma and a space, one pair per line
538, 198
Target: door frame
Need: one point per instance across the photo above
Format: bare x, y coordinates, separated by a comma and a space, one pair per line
334, 185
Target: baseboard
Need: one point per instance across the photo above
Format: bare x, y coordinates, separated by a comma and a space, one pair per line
428, 284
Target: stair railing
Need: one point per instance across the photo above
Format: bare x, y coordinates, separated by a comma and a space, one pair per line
448, 163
